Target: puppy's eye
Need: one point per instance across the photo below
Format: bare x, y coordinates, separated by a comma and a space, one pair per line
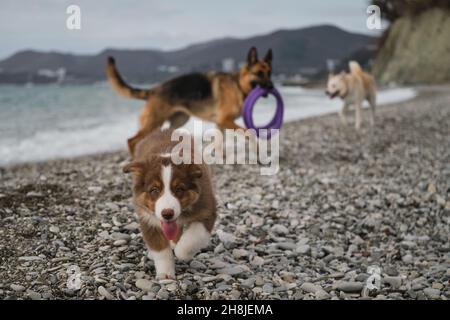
179, 190
154, 191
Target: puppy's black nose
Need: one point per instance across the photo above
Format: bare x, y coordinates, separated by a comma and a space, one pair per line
167, 214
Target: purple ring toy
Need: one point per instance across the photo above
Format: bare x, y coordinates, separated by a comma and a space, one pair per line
249, 103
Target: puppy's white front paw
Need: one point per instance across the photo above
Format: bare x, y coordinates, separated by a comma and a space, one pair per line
164, 263
192, 241
182, 254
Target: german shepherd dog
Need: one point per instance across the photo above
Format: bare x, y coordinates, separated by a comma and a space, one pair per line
213, 96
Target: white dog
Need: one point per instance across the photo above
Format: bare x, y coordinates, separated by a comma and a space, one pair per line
353, 88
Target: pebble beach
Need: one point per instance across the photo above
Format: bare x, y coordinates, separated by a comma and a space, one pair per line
343, 202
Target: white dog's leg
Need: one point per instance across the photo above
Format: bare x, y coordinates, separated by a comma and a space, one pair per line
164, 263
193, 239
358, 115
372, 110
343, 113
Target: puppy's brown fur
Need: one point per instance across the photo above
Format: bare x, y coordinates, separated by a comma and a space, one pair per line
214, 96
190, 184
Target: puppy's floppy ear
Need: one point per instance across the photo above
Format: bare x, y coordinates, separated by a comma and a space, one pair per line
134, 167
195, 171
252, 56
268, 57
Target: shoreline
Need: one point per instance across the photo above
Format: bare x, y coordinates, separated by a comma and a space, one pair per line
418, 92
341, 202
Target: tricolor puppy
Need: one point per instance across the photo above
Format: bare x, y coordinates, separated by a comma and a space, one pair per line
353, 88
175, 204
213, 96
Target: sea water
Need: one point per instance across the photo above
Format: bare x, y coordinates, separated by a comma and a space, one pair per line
49, 121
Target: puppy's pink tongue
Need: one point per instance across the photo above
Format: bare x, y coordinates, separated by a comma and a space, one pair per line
170, 229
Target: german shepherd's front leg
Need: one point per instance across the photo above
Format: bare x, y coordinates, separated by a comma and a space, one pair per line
228, 123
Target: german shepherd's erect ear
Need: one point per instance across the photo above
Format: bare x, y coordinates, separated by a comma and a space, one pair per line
252, 56
268, 57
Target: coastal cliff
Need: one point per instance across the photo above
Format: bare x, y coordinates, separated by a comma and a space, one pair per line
416, 49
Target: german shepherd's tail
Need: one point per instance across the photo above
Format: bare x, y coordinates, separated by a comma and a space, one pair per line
355, 68
121, 86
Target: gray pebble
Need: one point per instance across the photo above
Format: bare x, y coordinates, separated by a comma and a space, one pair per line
234, 270
166, 281
303, 249
54, 229
259, 281
34, 194
120, 236
268, 288
432, 293
235, 294
286, 245
223, 287
348, 286
105, 293
17, 287
162, 294
280, 229
315, 289
362, 277
407, 258
248, 283
95, 189
195, 264
30, 258
209, 278
133, 226
120, 242
239, 253
257, 261
33, 295
144, 284
171, 287
221, 248
394, 282
390, 271
226, 238
149, 296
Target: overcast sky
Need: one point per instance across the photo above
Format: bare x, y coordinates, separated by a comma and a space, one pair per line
163, 24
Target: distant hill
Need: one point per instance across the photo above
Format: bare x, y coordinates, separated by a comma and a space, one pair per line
299, 51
